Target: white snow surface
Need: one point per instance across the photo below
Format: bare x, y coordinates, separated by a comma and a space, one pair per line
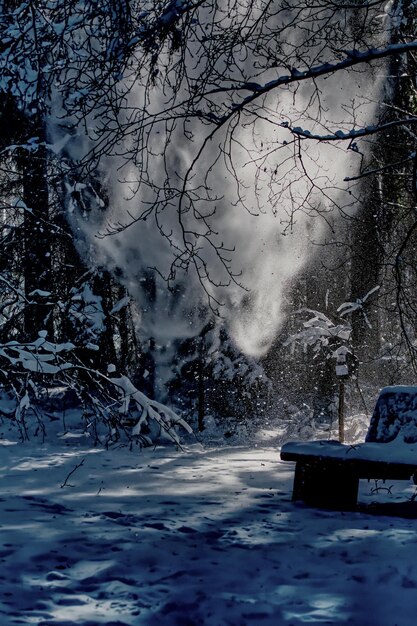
207, 536
395, 451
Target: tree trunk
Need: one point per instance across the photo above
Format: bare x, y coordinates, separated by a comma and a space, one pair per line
37, 234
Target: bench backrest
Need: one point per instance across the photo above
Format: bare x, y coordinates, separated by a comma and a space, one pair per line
395, 414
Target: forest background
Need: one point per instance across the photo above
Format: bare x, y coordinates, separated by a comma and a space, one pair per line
207, 206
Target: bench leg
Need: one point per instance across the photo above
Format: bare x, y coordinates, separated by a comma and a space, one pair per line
325, 485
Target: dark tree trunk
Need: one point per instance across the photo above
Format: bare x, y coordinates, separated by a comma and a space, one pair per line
365, 272
37, 263
102, 286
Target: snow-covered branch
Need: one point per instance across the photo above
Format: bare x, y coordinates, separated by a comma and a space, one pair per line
48, 360
358, 306
352, 59
318, 332
355, 133
165, 417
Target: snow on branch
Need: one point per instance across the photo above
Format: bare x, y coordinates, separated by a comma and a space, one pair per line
318, 332
352, 58
166, 418
39, 356
350, 307
340, 135
50, 359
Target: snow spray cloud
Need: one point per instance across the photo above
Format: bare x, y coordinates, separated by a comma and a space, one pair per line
281, 185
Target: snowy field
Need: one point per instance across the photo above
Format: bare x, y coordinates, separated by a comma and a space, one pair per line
201, 537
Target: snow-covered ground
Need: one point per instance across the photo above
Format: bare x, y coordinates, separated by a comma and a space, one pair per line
201, 537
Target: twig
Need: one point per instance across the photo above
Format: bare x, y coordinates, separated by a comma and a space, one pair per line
66, 483
378, 489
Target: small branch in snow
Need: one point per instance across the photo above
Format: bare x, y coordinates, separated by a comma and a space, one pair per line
66, 483
378, 489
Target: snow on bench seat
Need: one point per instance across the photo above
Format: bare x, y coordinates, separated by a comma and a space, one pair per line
393, 452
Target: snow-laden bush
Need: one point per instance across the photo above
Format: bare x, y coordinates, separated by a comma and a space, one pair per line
151, 413
321, 334
111, 405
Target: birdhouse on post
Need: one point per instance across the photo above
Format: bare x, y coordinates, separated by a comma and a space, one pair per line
343, 374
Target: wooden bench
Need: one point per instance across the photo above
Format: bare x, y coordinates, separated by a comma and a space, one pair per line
327, 473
